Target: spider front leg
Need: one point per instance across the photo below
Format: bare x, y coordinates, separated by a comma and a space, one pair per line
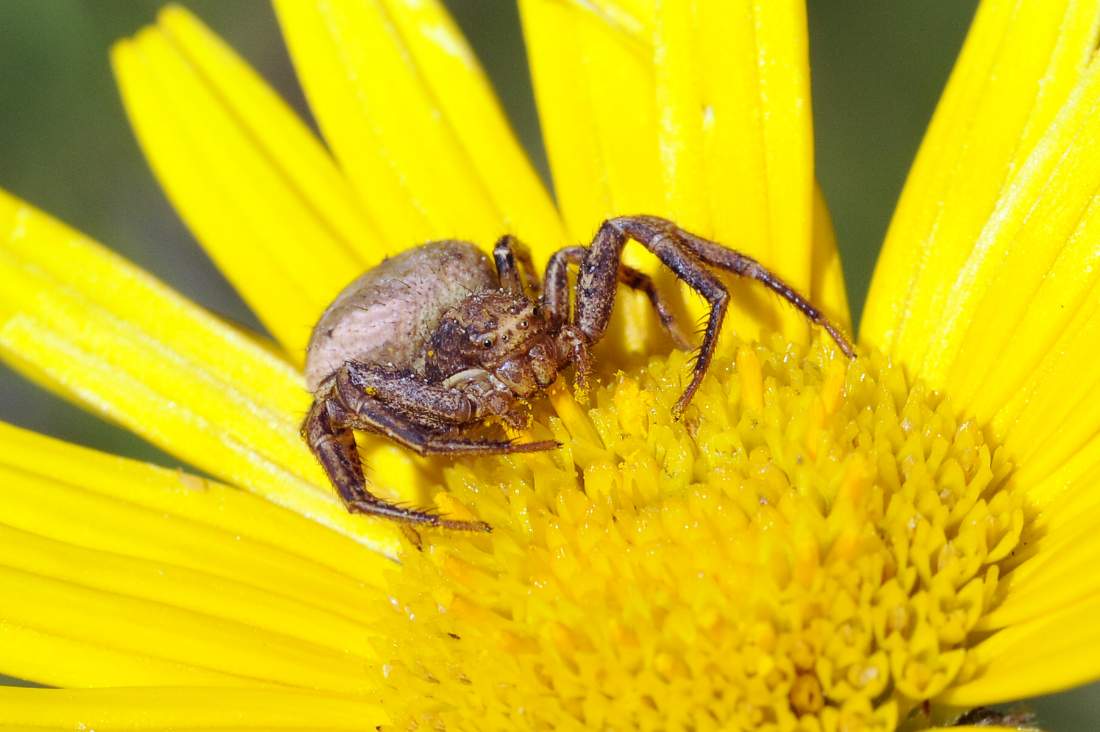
732, 261
508, 251
599, 271
687, 256
556, 295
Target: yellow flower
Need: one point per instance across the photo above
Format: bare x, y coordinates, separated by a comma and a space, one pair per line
820, 544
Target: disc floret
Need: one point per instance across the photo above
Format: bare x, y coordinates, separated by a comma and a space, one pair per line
810, 547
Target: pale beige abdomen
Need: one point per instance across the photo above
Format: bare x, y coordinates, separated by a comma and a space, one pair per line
388, 313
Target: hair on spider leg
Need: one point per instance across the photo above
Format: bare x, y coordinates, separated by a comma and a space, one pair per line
438, 520
427, 511
700, 327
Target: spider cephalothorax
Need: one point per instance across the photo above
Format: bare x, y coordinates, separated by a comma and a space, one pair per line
501, 334
432, 343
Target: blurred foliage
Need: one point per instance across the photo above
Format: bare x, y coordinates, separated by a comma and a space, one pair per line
65, 146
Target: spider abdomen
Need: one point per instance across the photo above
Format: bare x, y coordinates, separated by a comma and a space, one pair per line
387, 315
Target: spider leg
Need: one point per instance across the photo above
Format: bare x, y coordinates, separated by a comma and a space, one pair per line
409, 411
556, 295
733, 261
506, 253
599, 270
327, 431
417, 414
687, 255
638, 280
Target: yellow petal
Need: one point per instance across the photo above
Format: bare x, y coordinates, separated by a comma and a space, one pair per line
675, 109
77, 611
89, 538
1049, 418
255, 187
827, 289
1021, 318
287, 611
1055, 652
183, 708
172, 516
1066, 505
1020, 62
62, 661
1058, 575
318, 562
592, 72
736, 137
1033, 265
407, 110
999, 225
65, 512
591, 66
88, 325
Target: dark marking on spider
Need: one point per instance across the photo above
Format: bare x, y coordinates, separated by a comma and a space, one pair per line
430, 344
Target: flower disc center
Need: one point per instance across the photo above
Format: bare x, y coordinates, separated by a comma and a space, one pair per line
810, 547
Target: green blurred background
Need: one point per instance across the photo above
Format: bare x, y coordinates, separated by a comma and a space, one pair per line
65, 146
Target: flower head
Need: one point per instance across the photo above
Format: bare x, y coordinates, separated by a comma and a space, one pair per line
819, 544
815, 542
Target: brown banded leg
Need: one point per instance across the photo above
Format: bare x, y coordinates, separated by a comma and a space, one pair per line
599, 272
508, 251
729, 260
687, 256
416, 414
572, 341
327, 431
556, 295
637, 280
410, 412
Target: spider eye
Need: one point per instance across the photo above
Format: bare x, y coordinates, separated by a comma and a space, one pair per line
523, 323
487, 343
